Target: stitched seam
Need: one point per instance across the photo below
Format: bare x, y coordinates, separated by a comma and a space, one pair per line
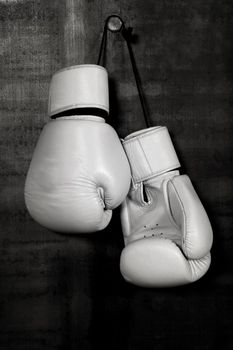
185, 218
129, 222
175, 166
145, 156
145, 135
80, 66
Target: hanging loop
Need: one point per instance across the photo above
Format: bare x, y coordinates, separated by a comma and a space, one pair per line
115, 24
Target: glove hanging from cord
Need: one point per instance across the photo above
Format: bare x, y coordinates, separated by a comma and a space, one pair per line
166, 230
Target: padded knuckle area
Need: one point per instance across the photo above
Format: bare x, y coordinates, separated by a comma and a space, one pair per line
154, 262
71, 212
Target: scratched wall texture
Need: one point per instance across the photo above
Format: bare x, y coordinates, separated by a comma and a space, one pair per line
66, 292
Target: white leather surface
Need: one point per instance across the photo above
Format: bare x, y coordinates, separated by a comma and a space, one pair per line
78, 87
191, 216
78, 174
150, 153
156, 262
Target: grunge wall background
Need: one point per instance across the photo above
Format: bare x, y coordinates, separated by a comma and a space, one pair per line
66, 292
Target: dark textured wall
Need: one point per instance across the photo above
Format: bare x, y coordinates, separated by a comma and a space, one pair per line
66, 292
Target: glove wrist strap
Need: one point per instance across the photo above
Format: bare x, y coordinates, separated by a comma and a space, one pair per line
150, 153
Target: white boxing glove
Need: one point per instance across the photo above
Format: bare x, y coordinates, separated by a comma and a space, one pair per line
166, 230
79, 171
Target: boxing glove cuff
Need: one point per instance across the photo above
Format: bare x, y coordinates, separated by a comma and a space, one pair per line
150, 153
82, 86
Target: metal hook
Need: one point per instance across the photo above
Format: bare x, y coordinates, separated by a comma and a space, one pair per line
114, 23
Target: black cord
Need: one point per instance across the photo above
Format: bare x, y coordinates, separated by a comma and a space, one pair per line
127, 35
103, 44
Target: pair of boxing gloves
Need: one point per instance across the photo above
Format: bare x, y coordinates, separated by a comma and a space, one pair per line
81, 171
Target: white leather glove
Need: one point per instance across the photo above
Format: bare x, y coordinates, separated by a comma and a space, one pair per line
79, 171
166, 230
